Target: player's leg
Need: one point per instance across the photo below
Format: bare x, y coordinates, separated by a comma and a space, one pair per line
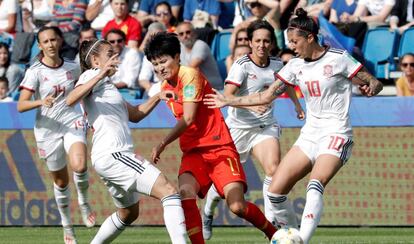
116, 223
173, 212
76, 148
267, 152
54, 153
333, 152
212, 199
189, 187
234, 195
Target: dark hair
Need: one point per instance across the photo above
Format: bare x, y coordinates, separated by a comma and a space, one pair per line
53, 28
304, 24
173, 20
286, 51
87, 49
406, 55
87, 28
5, 46
3, 79
115, 31
161, 44
263, 24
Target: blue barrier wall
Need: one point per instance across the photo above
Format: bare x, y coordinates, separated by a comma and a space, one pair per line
378, 111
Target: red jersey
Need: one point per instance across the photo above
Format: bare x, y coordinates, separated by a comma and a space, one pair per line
209, 128
130, 26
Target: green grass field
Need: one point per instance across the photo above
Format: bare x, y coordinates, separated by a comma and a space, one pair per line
49, 235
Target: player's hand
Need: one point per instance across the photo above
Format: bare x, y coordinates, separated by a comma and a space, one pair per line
366, 90
300, 114
48, 101
156, 152
260, 109
216, 100
167, 95
110, 67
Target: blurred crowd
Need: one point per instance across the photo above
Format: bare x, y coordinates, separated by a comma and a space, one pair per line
128, 24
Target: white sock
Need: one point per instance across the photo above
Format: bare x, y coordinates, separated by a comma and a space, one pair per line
174, 218
62, 197
266, 202
81, 181
110, 229
283, 210
312, 211
212, 199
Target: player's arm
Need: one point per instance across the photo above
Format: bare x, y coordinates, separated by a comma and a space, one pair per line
368, 84
218, 100
189, 115
230, 90
26, 103
300, 114
137, 113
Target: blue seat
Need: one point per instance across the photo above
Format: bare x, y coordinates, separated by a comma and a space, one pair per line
378, 49
406, 42
220, 46
130, 94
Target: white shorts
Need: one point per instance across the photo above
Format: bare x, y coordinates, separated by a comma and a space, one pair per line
54, 150
339, 145
126, 175
246, 139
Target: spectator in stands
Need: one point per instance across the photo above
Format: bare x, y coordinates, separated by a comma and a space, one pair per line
11, 71
237, 53
147, 78
373, 12
99, 12
163, 14
69, 15
86, 34
130, 60
36, 13
340, 8
4, 90
147, 10
240, 40
202, 13
196, 53
8, 16
124, 22
402, 15
405, 84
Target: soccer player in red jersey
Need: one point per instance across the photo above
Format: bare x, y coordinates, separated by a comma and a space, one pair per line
209, 155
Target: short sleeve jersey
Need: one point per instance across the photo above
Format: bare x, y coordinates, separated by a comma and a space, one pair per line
251, 78
326, 86
43, 81
209, 128
107, 112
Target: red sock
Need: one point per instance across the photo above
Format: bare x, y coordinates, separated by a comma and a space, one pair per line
257, 218
193, 221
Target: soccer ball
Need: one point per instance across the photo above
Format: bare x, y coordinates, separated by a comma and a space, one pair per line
286, 236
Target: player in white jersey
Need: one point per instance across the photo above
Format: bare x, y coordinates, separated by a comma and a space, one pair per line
125, 173
254, 129
324, 145
59, 128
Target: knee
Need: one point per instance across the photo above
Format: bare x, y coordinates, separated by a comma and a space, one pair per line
128, 216
187, 192
238, 208
270, 170
169, 189
78, 163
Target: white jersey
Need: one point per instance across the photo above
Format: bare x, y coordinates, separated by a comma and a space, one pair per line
107, 112
250, 78
326, 86
43, 81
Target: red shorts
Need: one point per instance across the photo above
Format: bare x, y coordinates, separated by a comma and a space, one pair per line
218, 165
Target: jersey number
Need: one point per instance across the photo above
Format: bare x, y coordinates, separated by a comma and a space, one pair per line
59, 89
336, 143
313, 88
234, 166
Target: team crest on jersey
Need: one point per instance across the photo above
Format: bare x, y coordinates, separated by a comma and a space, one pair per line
252, 76
189, 91
69, 75
327, 70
